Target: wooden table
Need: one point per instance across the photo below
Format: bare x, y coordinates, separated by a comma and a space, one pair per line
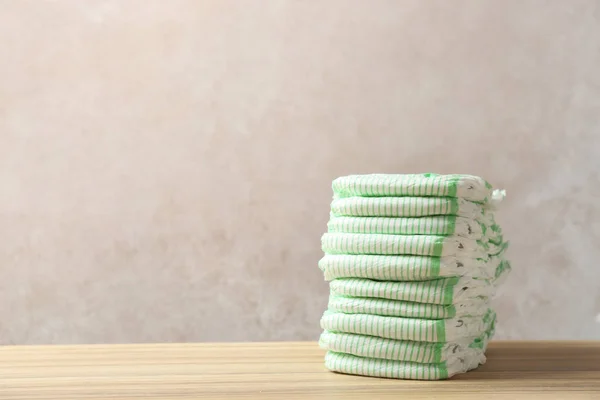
515, 370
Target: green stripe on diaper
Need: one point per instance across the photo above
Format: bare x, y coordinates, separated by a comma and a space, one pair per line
441, 332
438, 247
452, 186
454, 207
449, 294
435, 266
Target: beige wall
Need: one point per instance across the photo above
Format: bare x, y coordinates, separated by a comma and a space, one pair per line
165, 166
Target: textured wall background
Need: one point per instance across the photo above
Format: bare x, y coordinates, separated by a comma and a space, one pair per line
165, 166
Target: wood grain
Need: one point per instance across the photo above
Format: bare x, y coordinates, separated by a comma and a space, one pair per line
515, 370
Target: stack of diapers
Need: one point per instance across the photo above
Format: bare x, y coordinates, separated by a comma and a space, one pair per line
413, 262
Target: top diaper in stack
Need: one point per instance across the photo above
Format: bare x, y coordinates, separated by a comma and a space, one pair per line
413, 262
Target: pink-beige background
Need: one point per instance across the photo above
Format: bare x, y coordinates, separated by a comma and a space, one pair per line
165, 166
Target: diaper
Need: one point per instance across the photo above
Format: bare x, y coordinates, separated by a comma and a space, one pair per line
439, 291
405, 207
423, 185
404, 350
441, 225
415, 329
406, 267
349, 364
425, 245
394, 308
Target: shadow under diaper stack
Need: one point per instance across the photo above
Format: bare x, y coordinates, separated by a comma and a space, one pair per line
413, 262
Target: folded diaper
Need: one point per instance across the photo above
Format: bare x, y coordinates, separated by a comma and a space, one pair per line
441, 225
349, 364
425, 245
405, 207
406, 268
395, 308
423, 185
439, 291
404, 350
423, 330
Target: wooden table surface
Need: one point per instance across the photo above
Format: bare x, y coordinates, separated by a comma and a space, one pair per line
515, 370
